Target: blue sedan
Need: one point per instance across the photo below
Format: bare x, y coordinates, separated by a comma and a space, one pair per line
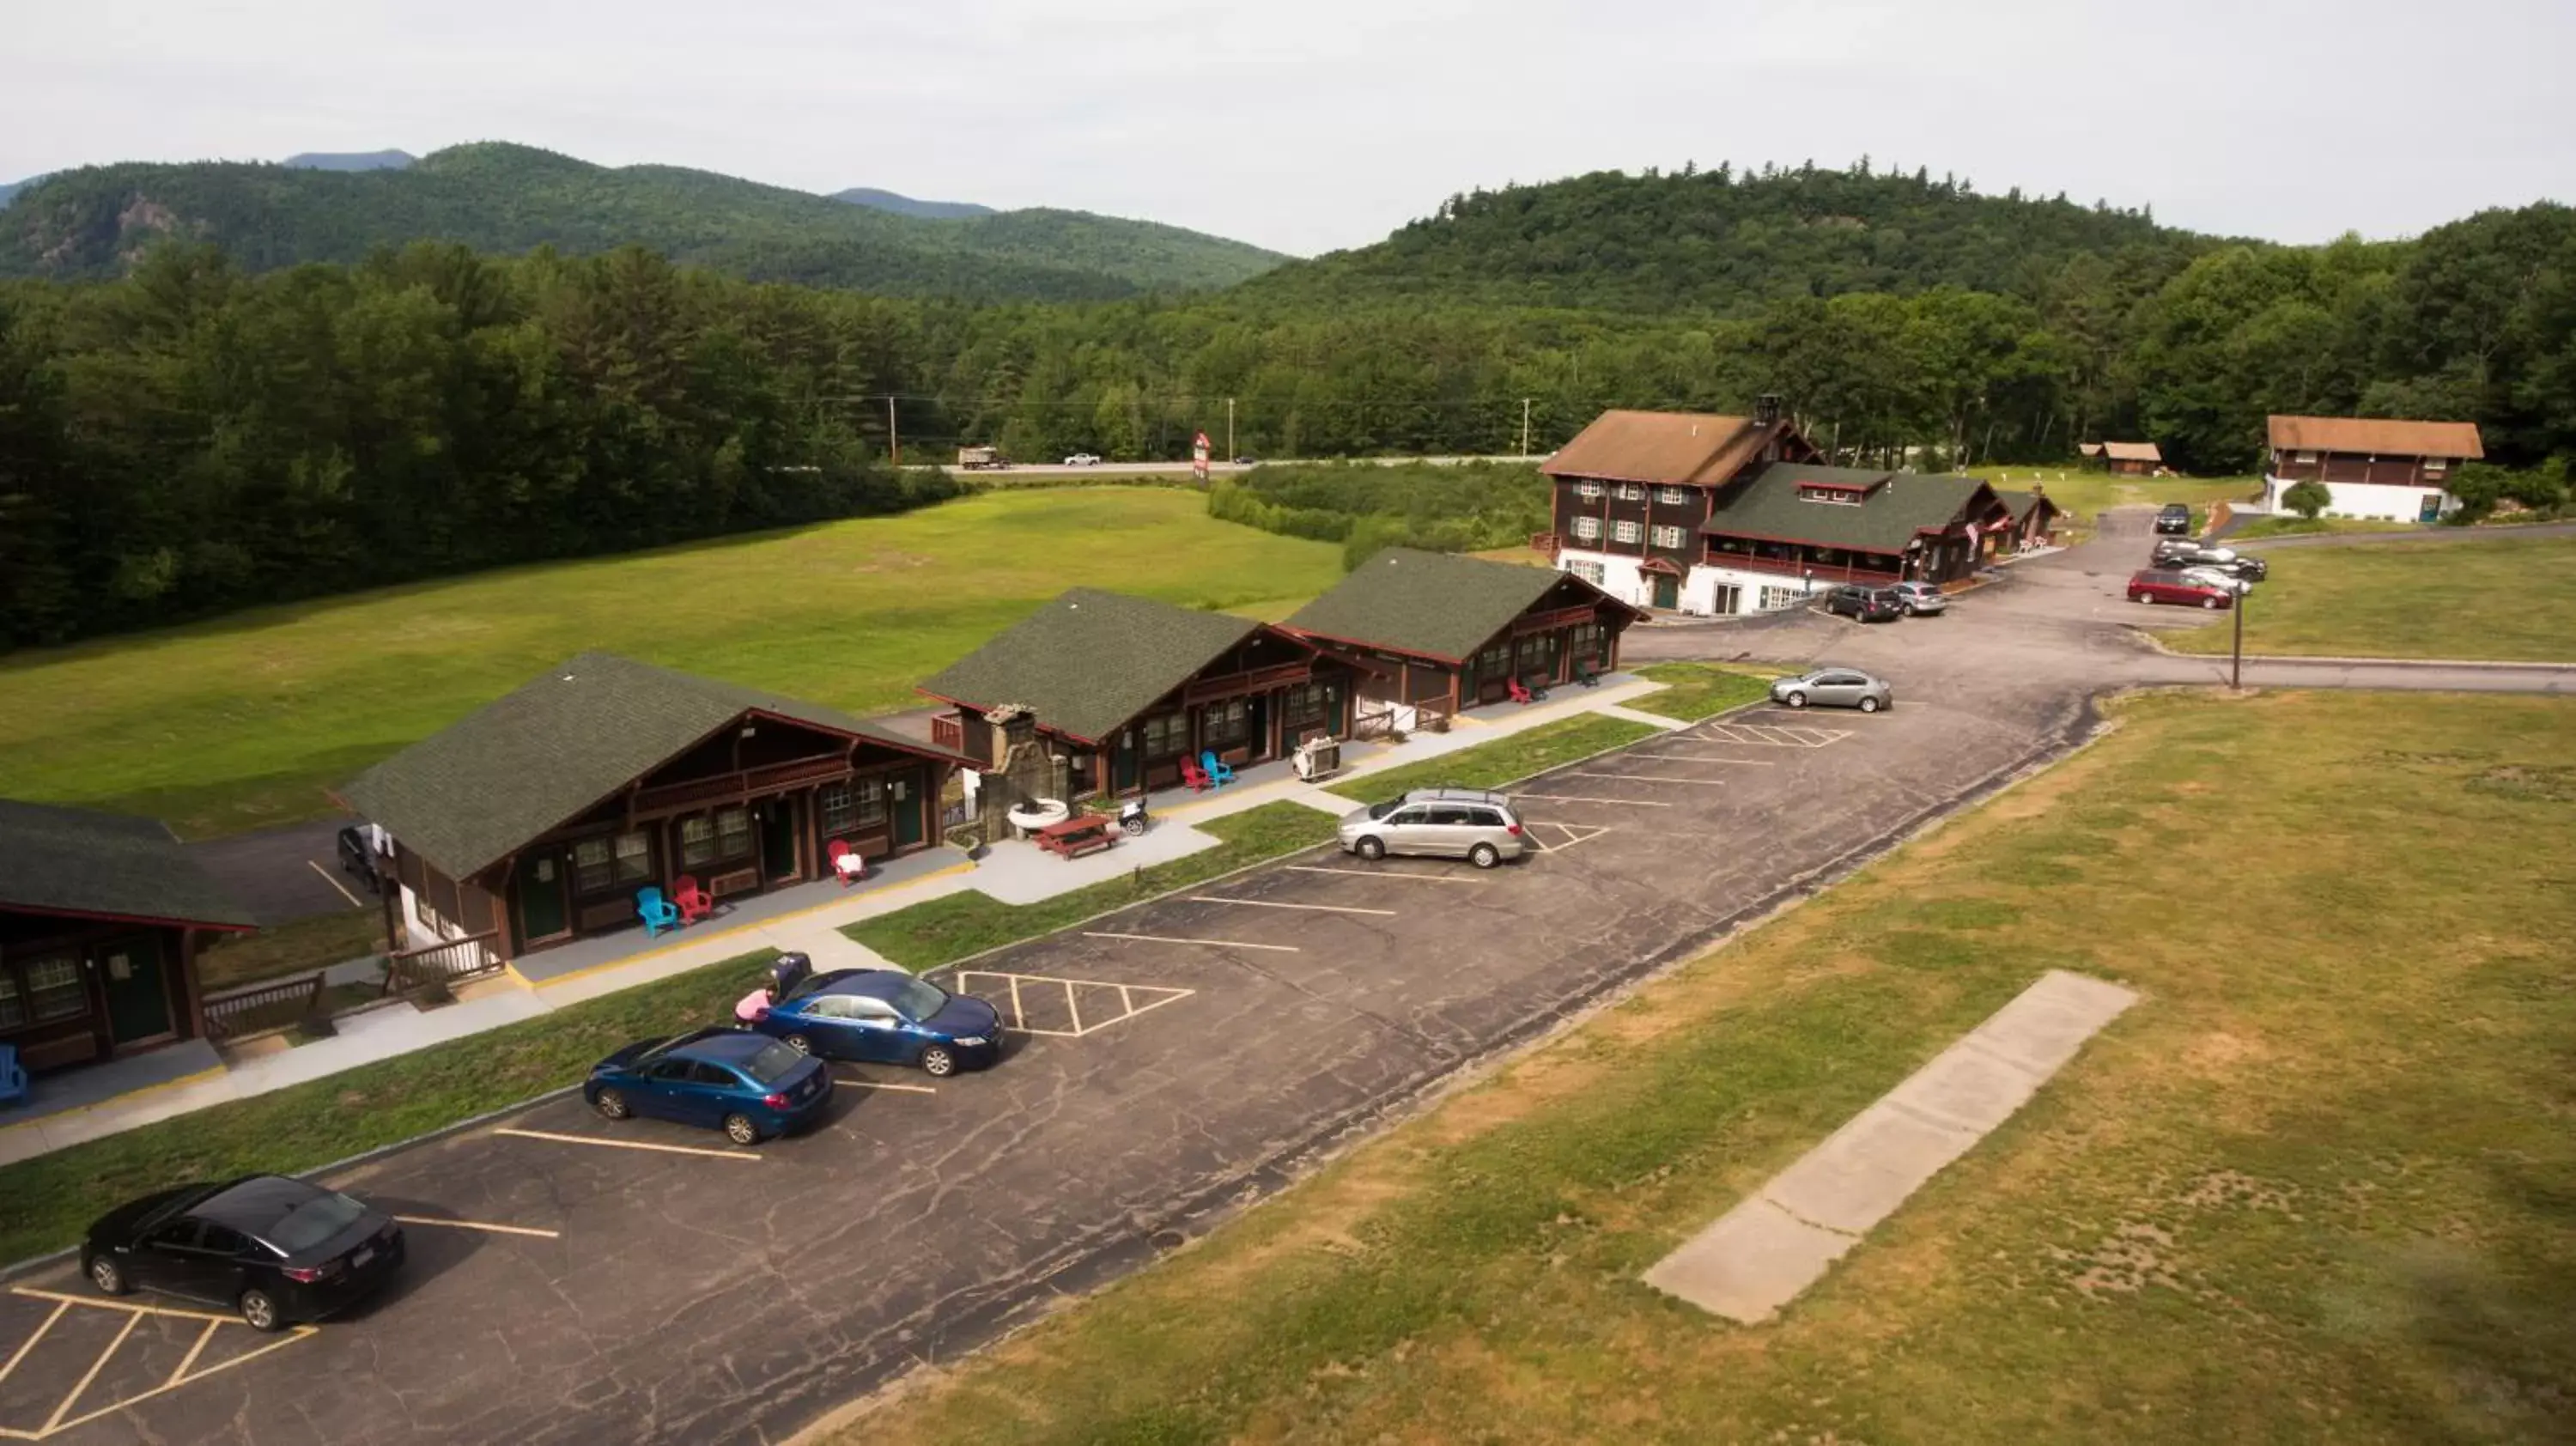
887, 1016
748, 1085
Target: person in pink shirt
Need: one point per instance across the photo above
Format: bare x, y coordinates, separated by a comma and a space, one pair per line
754, 1007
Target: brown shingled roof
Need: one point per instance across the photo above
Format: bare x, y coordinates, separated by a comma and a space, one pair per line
2376, 437
2132, 452
1682, 448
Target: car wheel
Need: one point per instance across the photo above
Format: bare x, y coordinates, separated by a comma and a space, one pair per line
1371, 849
259, 1311
1869, 705
2209, 603
612, 1104
937, 1062
1796, 700
2147, 598
798, 1043
740, 1130
109, 1279
1484, 856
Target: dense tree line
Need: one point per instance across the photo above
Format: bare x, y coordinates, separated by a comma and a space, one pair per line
1365, 506
191, 439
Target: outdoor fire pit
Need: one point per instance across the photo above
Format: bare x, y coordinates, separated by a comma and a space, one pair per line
1028, 818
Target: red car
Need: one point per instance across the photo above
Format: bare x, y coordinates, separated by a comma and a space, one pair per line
2158, 585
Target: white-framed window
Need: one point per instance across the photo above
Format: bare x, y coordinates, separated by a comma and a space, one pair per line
1668, 537
1776, 599
1590, 572
1673, 496
2307, 459
2435, 466
1587, 490
1627, 531
1842, 496
1632, 492
1587, 529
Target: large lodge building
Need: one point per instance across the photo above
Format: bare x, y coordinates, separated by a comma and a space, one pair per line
1699, 513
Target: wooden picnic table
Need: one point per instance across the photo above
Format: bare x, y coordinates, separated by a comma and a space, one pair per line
1085, 833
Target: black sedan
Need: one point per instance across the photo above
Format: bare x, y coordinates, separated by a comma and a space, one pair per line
277, 1250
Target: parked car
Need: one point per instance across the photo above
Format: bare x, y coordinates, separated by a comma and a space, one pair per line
1456, 823
2170, 549
1247, 460
2225, 560
1083, 459
886, 1016
2165, 585
744, 1083
1918, 598
358, 859
277, 1250
2173, 518
1834, 687
1865, 604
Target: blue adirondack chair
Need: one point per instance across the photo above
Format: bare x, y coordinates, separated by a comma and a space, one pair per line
658, 913
1218, 771
13, 1078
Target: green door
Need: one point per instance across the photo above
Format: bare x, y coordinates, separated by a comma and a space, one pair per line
138, 991
1668, 590
538, 884
908, 799
778, 860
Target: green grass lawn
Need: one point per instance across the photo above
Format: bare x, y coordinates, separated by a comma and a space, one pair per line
2318, 1185
1702, 690
242, 722
297, 948
2262, 527
939, 931
2086, 493
45, 1202
1505, 760
2495, 597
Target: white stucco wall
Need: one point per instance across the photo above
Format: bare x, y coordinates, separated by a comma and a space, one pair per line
2362, 499
1619, 575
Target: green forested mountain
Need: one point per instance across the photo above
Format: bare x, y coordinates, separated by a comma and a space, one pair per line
911, 206
1730, 243
94, 222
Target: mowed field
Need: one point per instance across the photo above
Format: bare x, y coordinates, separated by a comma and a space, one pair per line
2319, 1184
242, 722
2503, 598
2088, 492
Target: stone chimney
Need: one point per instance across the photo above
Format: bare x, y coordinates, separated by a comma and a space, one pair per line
1023, 770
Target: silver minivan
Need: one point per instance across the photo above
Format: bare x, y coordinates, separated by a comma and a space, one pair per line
1450, 823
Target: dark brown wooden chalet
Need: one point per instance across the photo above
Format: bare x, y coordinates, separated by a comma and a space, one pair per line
1129, 687
2129, 459
2034, 517
535, 821
1846, 524
2370, 451
1632, 490
100, 919
1429, 632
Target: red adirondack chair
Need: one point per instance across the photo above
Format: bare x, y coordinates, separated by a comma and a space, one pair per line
1195, 776
847, 866
1520, 691
694, 903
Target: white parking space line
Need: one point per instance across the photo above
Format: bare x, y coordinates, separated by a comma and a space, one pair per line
1175, 939
1586, 798
853, 1082
1655, 778
483, 1225
1772, 735
1682, 757
1390, 873
1568, 835
1275, 904
628, 1144
1133, 1000
334, 883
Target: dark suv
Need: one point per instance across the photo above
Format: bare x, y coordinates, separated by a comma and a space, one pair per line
1865, 604
2173, 520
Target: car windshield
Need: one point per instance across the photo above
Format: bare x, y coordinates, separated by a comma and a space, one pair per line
772, 1064
313, 1222
919, 999
1381, 810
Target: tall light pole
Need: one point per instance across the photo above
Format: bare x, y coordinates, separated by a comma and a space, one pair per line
894, 439
2236, 653
1230, 453
1525, 414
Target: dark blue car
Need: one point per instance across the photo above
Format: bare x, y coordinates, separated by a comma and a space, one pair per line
748, 1085
886, 1016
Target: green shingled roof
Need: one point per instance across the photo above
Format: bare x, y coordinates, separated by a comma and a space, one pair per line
468, 796
1090, 661
2021, 502
1766, 504
1431, 604
74, 861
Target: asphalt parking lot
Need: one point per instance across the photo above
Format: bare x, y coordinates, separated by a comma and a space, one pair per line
647, 1282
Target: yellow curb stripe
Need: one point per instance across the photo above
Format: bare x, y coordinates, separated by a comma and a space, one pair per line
628, 1144
481, 1225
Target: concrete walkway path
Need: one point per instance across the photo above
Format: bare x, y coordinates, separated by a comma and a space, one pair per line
1782, 1239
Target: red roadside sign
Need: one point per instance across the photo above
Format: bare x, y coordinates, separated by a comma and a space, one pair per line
1199, 457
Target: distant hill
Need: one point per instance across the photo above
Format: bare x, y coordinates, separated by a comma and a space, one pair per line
497, 197
12, 188
1730, 243
349, 160
907, 206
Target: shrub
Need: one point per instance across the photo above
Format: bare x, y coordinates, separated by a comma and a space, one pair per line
2307, 499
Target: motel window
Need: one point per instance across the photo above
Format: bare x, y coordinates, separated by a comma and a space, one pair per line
1631, 492
1841, 495
838, 806
1167, 735
1673, 496
1227, 724
605, 863
697, 842
1627, 531
1588, 490
2307, 459
1668, 537
1537, 654
13, 1002
1492, 662
733, 833
1591, 572
1307, 704
868, 801
1587, 529
53, 989
421, 912
2436, 464
1583, 640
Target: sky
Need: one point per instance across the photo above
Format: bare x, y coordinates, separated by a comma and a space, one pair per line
1327, 123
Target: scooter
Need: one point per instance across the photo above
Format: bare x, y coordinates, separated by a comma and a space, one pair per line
1132, 817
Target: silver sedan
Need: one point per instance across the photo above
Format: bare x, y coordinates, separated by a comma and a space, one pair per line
1834, 687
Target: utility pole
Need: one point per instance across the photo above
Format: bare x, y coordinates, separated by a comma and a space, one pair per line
2236, 653
1525, 409
1230, 453
894, 439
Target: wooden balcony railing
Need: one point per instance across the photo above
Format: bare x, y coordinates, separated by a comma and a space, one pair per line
948, 731
1257, 680
271, 1006
1792, 567
743, 784
441, 963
